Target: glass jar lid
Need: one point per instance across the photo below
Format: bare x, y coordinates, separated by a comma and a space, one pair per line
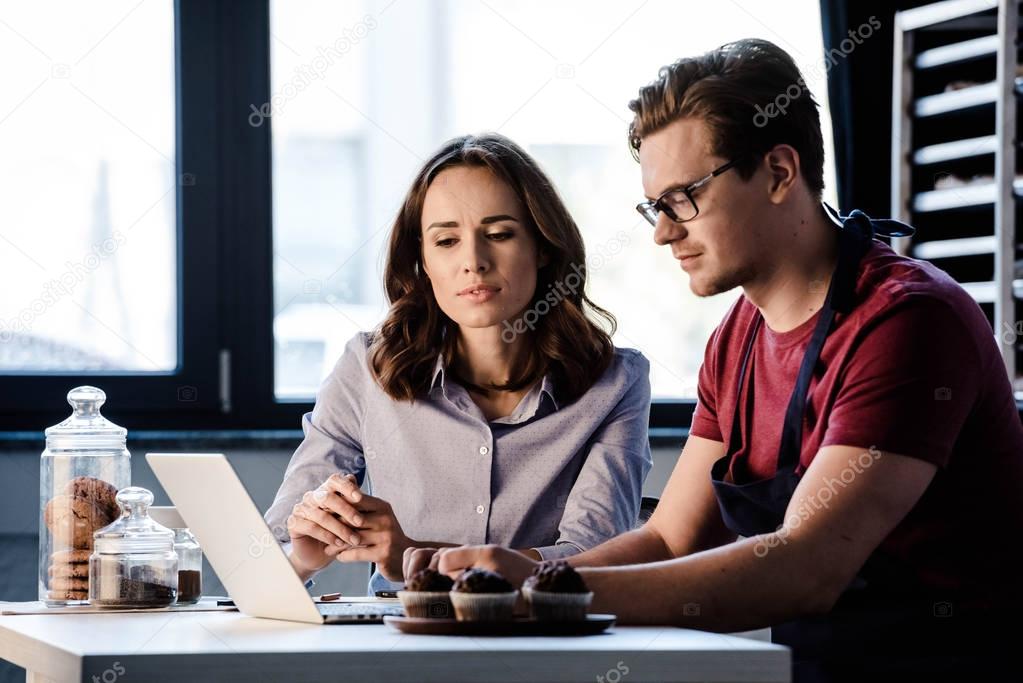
134, 531
86, 428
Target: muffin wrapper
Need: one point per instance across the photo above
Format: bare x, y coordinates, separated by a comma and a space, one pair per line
484, 606
427, 604
547, 606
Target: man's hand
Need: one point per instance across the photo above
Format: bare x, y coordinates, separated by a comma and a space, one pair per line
511, 564
375, 533
416, 559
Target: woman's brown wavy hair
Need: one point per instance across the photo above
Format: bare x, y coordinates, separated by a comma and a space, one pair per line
565, 342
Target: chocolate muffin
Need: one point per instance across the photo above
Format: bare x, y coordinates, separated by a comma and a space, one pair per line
427, 596
430, 581
555, 576
556, 592
482, 595
481, 581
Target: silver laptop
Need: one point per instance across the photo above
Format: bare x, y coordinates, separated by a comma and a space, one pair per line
241, 548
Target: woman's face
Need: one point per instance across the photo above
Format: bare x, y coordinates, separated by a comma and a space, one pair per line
479, 253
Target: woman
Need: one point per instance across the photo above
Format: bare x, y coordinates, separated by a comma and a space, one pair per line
488, 407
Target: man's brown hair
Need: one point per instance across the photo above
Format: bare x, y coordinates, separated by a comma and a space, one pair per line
751, 96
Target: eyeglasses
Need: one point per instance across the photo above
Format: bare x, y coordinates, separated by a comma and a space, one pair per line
678, 202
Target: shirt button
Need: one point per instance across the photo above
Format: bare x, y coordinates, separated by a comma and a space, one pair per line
479, 509
484, 450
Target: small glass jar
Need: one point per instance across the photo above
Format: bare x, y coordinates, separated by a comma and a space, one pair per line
83, 467
133, 563
189, 566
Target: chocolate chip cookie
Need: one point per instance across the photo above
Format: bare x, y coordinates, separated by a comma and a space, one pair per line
69, 584
72, 520
75, 570
70, 556
98, 491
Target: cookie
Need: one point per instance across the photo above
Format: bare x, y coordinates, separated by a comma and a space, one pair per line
98, 491
78, 570
67, 583
70, 556
67, 595
72, 520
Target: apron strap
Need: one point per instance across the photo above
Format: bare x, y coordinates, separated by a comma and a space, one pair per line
855, 234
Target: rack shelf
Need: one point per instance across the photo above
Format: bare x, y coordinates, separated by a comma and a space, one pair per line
957, 52
952, 35
955, 150
961, 100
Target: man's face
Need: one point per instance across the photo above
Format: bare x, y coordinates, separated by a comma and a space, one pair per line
718, 248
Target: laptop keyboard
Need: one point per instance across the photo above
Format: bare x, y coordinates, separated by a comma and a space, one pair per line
346, 608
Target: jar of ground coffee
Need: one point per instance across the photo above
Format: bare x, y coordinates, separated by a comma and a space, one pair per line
133, 563
189, 566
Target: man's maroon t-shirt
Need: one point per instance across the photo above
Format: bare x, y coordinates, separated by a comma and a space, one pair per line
913, 369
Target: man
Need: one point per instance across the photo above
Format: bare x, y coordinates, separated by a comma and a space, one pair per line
853, 483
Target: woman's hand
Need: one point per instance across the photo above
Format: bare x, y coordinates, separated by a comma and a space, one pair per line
374, 532
511, 564
321, 522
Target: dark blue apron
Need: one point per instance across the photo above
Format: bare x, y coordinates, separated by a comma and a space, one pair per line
883, 625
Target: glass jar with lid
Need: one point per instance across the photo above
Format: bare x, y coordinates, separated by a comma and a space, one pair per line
133, 563
189, 566
80, 472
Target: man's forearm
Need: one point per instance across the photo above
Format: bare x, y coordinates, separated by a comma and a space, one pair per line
730, 588
632, 547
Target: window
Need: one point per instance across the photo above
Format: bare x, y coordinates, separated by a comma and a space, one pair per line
366, 91
111, 213
87, 180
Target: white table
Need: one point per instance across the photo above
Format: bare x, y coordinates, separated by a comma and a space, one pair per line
229, 646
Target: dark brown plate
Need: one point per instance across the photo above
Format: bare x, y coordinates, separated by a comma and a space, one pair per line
593, 624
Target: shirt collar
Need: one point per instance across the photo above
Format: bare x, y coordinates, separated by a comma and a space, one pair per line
439, 380
438, 373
